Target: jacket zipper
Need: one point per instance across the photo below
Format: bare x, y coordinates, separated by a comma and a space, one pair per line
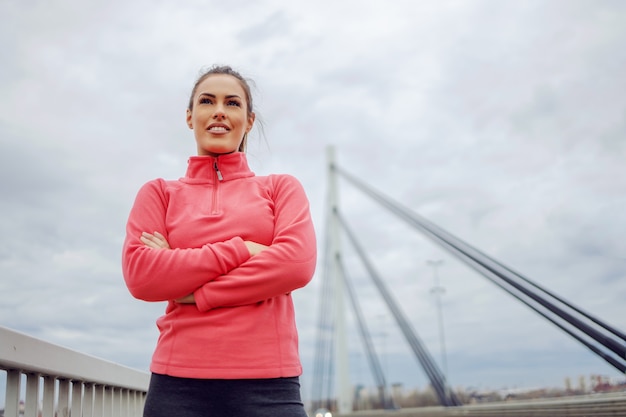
217, 171
220, 178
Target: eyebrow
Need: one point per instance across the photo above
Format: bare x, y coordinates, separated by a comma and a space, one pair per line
214, 96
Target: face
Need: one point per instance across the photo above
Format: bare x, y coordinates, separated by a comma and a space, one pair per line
219, 116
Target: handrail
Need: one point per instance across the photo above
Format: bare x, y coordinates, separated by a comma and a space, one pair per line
70, 379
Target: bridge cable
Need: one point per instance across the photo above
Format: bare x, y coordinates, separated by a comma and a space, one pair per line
445, 395
375, 367
455, 246
455, 250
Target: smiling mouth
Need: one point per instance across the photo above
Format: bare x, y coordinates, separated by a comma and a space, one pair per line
218, 129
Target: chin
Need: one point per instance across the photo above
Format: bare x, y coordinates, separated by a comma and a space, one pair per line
216, 151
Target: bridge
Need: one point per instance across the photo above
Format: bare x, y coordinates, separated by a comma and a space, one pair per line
331, 357
43, 379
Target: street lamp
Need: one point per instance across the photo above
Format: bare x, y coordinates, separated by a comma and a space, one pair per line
438, 291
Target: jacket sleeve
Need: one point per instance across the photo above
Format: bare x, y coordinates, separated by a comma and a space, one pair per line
288, 264
160, 274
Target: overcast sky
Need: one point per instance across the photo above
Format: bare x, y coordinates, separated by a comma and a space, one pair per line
502, 122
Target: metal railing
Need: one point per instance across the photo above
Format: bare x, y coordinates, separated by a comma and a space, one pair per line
60, 382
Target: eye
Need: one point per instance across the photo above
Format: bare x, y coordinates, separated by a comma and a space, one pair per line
205, 100
233, 103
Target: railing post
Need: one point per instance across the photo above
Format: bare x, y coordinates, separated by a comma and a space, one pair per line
125, 401
132, 403
63, 407
138, 401
98, 407
108, 402
88, 403
31, 400
118, 401
49, 386
12, 400
77, 398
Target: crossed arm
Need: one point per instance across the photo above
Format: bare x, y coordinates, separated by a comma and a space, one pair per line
157, 241
226, 273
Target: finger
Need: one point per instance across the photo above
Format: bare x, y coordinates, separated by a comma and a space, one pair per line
147, 235
149, 242
188, 299
154, 241
162, 240
156, 237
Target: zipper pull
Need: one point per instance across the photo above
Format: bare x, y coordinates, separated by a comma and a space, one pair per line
217, 171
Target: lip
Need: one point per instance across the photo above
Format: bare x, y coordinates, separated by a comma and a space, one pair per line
212, 125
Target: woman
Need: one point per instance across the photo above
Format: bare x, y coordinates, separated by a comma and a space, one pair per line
225, 248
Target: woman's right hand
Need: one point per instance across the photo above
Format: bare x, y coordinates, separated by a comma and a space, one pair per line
254, 248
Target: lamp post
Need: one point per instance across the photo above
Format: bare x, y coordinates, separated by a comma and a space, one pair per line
385, 370
383, 337
437, 290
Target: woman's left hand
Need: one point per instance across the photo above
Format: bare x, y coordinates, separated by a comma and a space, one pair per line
188, 299
154, 241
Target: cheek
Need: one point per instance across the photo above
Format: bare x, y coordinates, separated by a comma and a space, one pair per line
198, 120
240, 122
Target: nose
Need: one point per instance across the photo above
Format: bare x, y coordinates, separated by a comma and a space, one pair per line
219, 113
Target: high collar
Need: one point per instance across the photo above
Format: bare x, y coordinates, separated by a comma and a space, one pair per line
205, 169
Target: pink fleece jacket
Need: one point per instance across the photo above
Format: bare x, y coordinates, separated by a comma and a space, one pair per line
243, 322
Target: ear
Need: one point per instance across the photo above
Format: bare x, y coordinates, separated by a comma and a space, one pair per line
188, 118
251, 119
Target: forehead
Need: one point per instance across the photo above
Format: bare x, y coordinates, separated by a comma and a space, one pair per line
221, 84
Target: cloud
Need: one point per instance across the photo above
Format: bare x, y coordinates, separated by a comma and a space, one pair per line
502, 123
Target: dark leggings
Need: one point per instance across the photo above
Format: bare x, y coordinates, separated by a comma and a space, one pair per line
185, 397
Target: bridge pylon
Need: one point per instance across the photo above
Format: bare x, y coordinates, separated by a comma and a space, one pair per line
342, 368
